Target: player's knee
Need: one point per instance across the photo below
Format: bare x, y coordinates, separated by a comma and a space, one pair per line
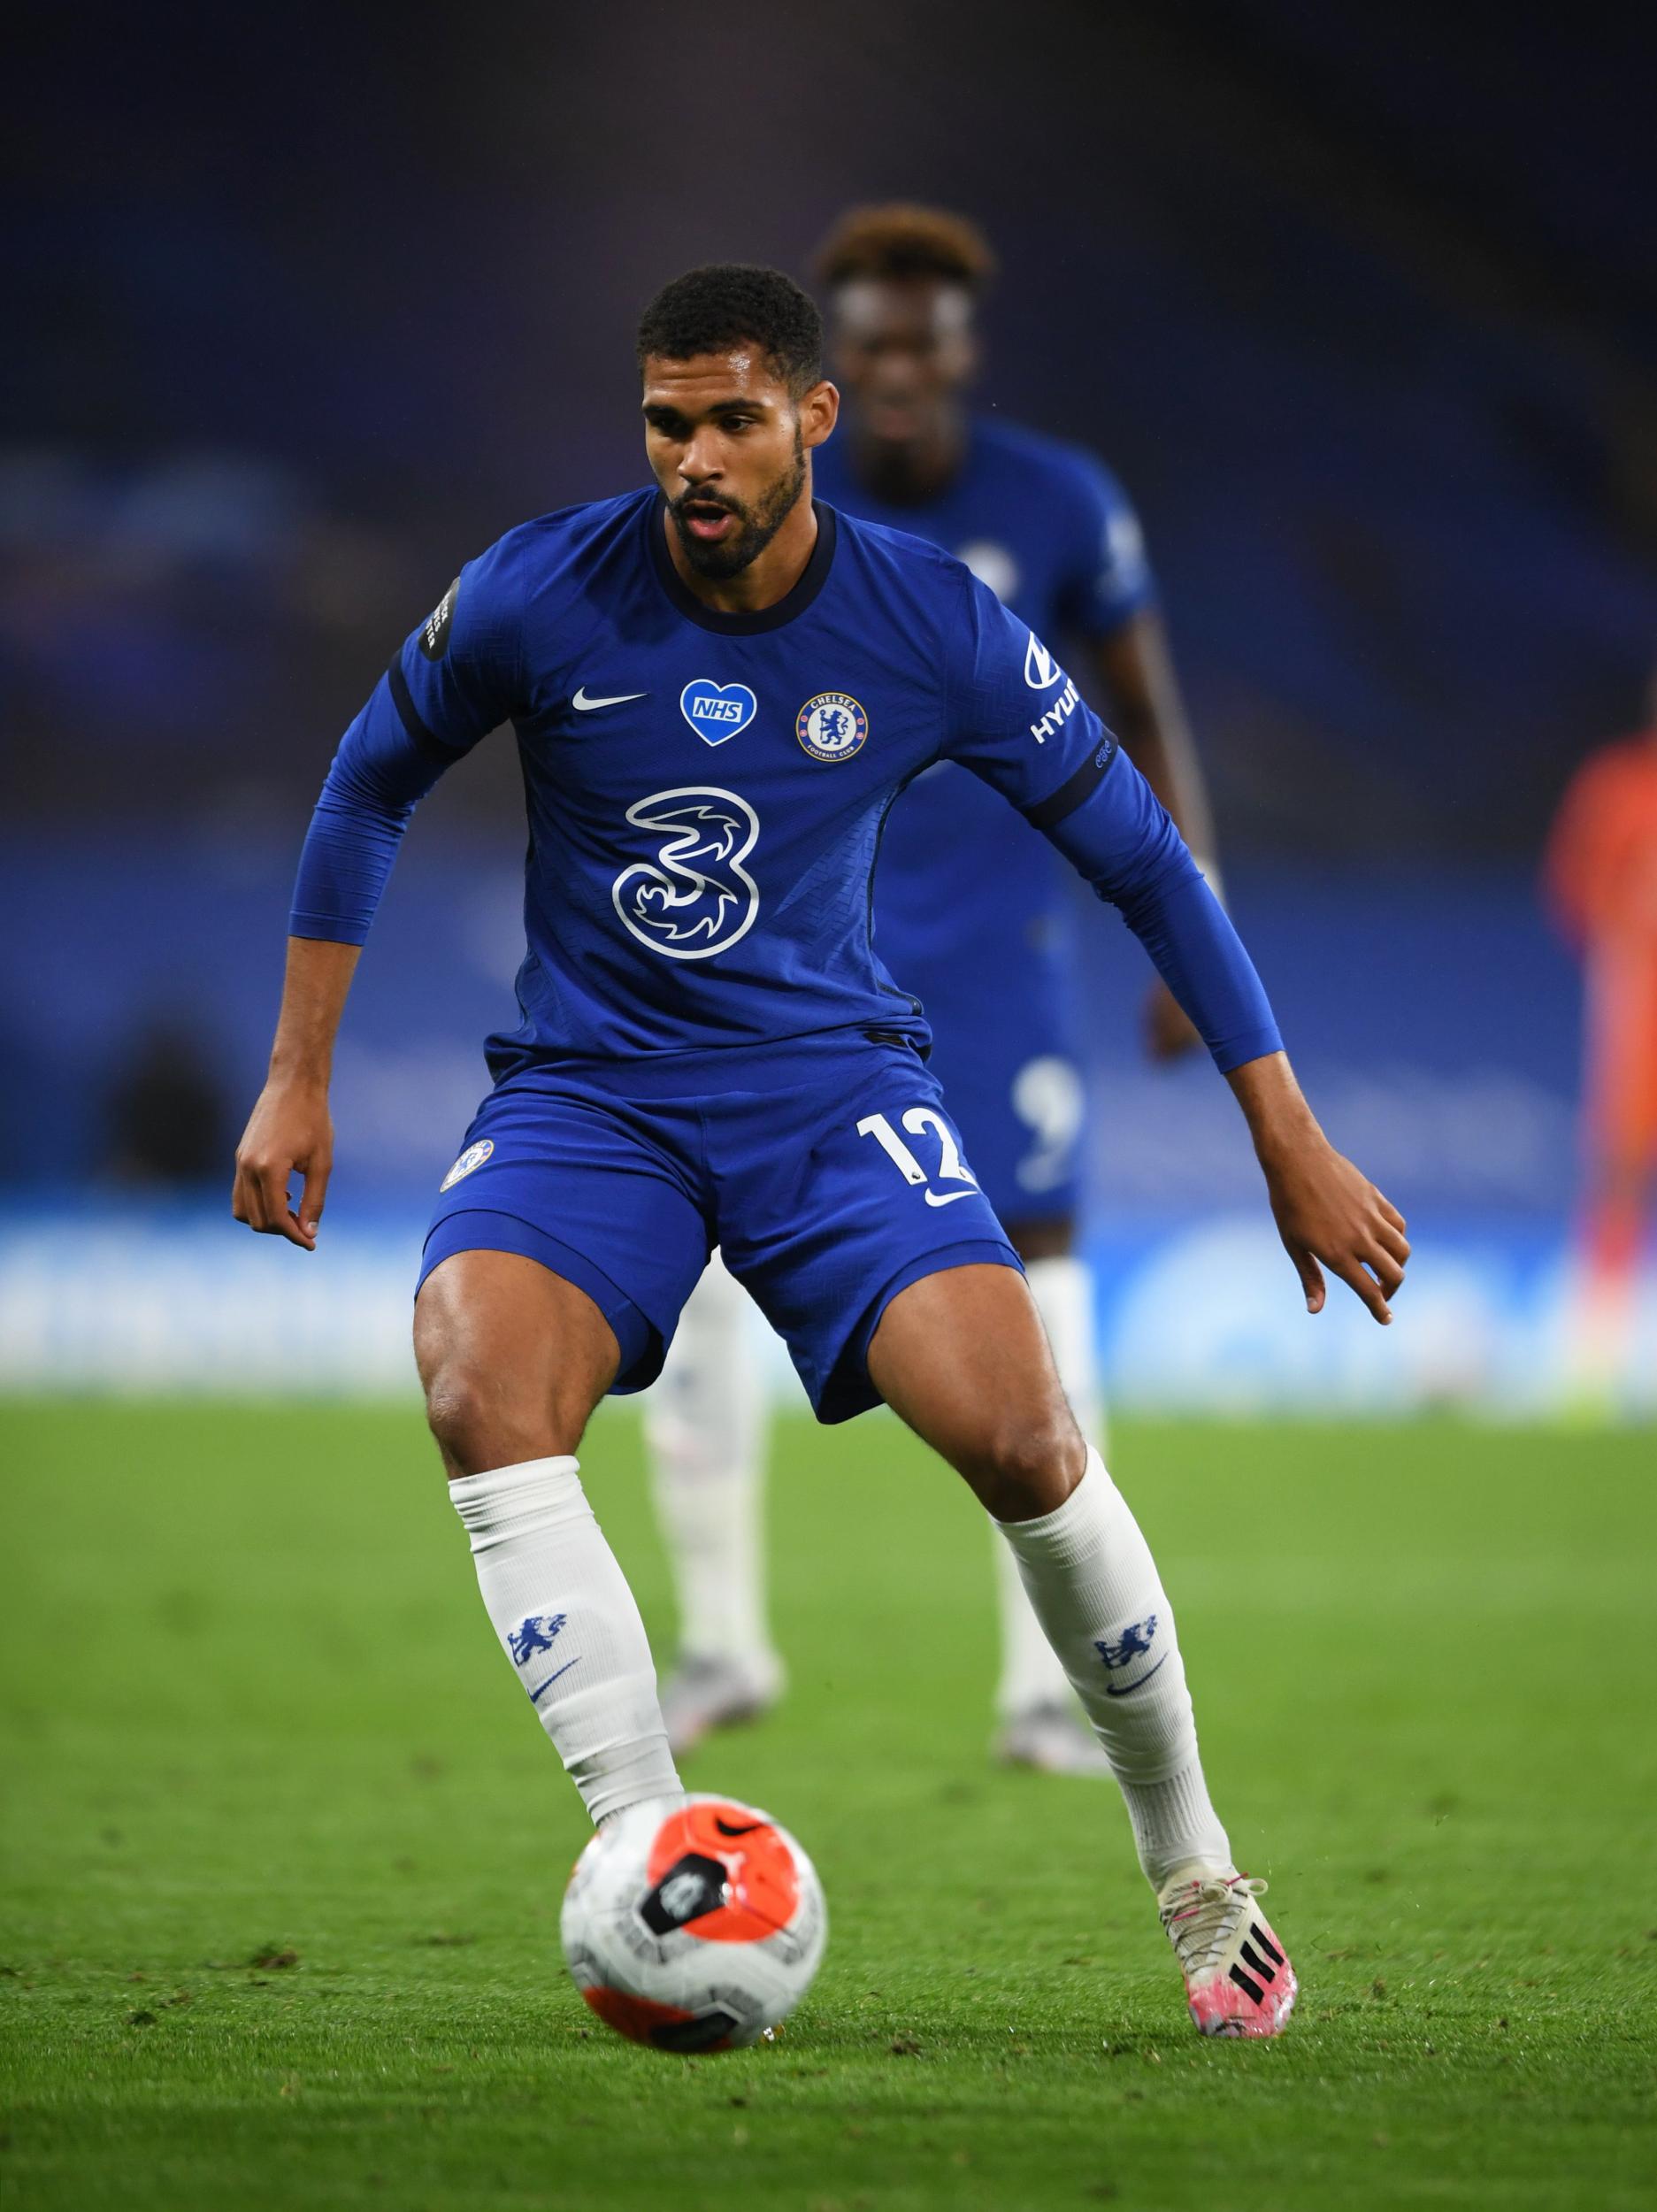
1030, 1468
454, 1415
477, 1426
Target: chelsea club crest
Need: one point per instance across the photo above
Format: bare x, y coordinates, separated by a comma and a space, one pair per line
474, 1156
831, 727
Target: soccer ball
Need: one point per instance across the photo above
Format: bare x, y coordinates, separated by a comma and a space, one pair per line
698, 1930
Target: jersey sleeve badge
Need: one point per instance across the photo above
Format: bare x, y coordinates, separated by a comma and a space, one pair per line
436, 629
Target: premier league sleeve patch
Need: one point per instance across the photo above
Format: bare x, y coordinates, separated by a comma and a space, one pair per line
831, 727
436, 629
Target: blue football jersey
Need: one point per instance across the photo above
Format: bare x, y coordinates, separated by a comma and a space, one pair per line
707, 791
1054, 535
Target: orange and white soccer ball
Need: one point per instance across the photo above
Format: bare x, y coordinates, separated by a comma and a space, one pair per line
699, 1930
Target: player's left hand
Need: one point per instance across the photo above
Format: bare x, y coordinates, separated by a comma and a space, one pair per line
1326, 1209
1169, 1032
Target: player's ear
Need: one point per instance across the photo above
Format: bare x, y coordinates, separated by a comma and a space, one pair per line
819, 411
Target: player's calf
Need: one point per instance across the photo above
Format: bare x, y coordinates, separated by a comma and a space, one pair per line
961, 1355
513, 1359
567, 1622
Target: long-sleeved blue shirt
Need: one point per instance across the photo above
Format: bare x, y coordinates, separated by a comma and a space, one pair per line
707, 791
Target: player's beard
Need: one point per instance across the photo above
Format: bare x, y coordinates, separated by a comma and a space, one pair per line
757, 526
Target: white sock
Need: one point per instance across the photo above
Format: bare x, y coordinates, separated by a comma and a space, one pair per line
1031, 1674
567, 1621
1095, 1589
703, 1428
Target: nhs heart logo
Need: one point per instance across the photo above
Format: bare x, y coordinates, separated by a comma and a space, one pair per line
716, 711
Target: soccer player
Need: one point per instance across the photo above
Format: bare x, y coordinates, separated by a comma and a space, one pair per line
972, 915
718, 688
1601, 882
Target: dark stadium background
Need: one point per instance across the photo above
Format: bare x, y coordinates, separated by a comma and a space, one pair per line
1362, 303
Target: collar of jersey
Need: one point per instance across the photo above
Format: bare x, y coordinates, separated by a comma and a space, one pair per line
793, 602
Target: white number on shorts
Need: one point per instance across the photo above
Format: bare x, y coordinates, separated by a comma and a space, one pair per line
951, 1167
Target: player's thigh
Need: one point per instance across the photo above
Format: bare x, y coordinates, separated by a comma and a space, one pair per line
961, 1357
512, 1358
565, 1240
834, 1196
862, 1218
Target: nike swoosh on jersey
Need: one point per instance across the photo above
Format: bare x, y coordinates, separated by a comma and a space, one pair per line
584, 705
950, 1197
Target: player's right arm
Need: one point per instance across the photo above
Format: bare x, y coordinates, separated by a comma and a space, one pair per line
453, 678
1017, 721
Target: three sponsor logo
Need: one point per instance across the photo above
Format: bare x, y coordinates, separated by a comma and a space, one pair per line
695, 898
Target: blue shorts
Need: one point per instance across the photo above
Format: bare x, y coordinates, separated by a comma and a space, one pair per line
829, 1173
1006, 1049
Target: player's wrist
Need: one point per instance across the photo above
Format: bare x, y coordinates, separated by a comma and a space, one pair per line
1279, 1120
299, 1075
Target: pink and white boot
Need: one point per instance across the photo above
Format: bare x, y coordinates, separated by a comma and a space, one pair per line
1238, 1980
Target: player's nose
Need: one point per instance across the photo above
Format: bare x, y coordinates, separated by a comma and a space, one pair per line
701, 462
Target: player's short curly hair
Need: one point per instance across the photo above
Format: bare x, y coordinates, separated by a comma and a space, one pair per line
711, 309
903, 239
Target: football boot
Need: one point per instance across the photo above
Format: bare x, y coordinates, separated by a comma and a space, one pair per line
1238, 1980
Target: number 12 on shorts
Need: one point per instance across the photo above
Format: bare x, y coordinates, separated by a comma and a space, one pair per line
917, 1120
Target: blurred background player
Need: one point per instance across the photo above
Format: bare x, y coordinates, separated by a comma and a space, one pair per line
972, 915
1601, 883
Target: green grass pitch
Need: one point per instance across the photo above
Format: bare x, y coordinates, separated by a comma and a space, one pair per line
284, 1846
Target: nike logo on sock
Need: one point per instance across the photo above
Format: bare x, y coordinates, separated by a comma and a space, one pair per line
535, 1696
584, 705
1111, 1690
